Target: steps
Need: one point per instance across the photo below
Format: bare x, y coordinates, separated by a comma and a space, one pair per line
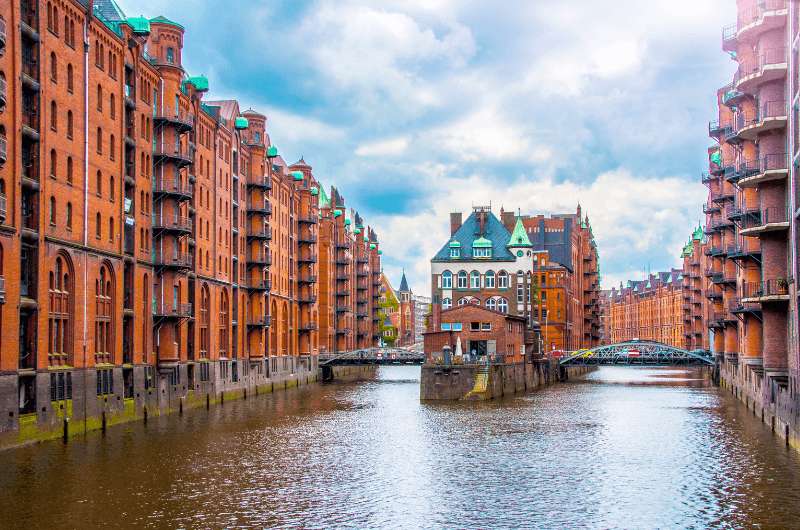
481, 382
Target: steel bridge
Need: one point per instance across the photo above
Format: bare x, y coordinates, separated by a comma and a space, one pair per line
382, 356
638, 353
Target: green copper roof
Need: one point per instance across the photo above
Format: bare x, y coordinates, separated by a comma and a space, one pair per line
140, 25
272, 151
716, 157
455, 244
357, 231
314, 191
380, 252
337, 213
347, 222
697, 235
688, 250
366, 238
200, 83
372, 246
481, 242
324, 201
297, 175
241, 123
519, 237
165, 20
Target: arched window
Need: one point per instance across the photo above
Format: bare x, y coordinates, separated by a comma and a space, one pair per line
49, 16
52, 211
111, 188
70, 125
53, 162
223, 324
112, 107
502, 305
55, 20
447, 303
70, 82
474, 280
69, 169
111, 229
60, 314
147, 305
502, 280
488, 279
104, 302
462, 279
53, 67
205, 321
53, 116
69, 216
98, 229
112, 147
99, 140
491, 303
99, 98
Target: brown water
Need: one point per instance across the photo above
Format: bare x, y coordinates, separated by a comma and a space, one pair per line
634, 448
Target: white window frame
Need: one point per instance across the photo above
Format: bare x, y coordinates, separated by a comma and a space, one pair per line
447, 280
474, 280
462, 275
502, 280
488, 279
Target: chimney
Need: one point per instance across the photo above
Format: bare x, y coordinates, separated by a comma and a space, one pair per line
455, 222
508, 219
481, 222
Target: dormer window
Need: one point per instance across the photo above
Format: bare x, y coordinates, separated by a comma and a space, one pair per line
455, 252
483, 253
482, 248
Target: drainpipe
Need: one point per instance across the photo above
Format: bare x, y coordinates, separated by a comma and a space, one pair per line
86, 25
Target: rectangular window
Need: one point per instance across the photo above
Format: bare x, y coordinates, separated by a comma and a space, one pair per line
445, 326
105, 382
455, 252
456, 326
474, 326
486, 326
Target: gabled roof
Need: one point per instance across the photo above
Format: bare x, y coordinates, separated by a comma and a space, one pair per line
519, 237
324, 201
165, 20
494, 232
457, 308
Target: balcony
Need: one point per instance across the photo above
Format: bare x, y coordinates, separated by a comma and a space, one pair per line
709, 208
718, 130
715, 251
172, 188
182, 122
306, 259
130, 96
342, 293
770, 65
743, 249
722, 278
342, 245
258, 259
770, 167
344, 331
259, 209
714, 295
259, 285
743, 169
739, 307
716, 320
183, 261
308, 219
259, 234
307, 299
308, 326
3, 34
771, 115
175, 154
342, 261
163, 310
722, 195
3, 150
773, 290
766, 220
362, 260
175, 224
765, 15
708, 178
307, 278
732, 97
307, 239
261, 183
342, 277
258, 321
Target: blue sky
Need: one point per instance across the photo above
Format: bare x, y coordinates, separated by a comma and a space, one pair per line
415, 108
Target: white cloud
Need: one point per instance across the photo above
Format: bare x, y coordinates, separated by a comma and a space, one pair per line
388, 147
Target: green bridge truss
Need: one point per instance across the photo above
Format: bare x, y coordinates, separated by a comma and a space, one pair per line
638, 352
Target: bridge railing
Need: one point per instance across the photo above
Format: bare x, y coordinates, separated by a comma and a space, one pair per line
638, 353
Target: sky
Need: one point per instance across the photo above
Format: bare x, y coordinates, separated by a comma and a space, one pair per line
416, 108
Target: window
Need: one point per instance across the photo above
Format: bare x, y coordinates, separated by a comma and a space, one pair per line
99, 140
486, 326
474, 280
111, 229
520, 293
170, 55
462, 279
53, 68
105, 382
60, 386
53, 163
455, 252
59, 329
491, 303
111, 188
70, 128
482, 252
488, 280
112, 108
52, 211
456, 326
70, 83
445, 326
474, 326
502, 280
502, 305
112, 147
69, 170
447, 303
53, 116
103, 331
69, 216
97, 227
99, 184
99, 98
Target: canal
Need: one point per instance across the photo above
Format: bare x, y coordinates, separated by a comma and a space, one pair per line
625, 447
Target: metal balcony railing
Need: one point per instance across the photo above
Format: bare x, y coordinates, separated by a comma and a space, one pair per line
181, 261
177, 223
308, 219
173, 186
766, 288
3, 150
764, 217
757, 64
184, 122
167, 310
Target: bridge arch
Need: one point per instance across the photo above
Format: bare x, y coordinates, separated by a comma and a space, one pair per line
637, 353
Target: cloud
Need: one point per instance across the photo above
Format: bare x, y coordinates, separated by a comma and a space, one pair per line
388, 147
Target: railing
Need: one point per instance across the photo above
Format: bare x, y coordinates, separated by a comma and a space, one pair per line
307, 278
752, 14
161, 309
163, 222
173, 152
3, 91
2, 32
259, 258
3, 149
308, 219
307, 299
259, 233
307, 238
306, 259
182, 260
772, 287
259, 283
265, 208
172, 186
710, 208
766, 216
738, 306
259, 320
185, 120
757, 64
308, 326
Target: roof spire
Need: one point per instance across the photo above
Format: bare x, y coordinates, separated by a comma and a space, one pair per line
519, 237
404, 283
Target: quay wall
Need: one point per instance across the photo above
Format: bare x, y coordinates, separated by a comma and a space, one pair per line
88, 411
458, 382
774, 404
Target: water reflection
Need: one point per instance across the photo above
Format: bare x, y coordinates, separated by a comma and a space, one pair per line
623, 448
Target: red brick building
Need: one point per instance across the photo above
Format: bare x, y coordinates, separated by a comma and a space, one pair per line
157, 248
482, 332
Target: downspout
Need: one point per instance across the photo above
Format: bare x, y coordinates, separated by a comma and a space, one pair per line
86, 25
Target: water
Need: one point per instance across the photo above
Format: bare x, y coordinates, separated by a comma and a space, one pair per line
633, 448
